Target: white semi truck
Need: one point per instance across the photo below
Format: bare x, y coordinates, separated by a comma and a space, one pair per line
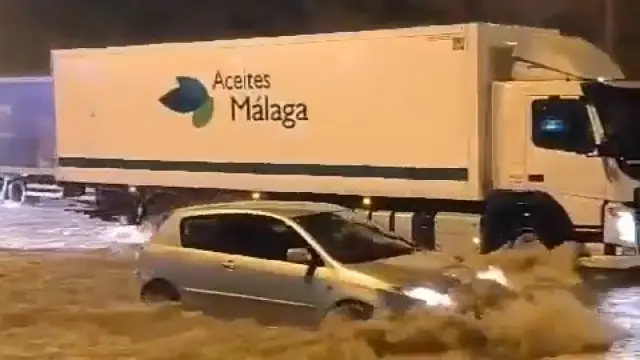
485, 133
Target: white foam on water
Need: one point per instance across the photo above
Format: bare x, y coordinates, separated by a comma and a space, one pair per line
49, 228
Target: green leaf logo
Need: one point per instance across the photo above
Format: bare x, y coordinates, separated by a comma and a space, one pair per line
190, 96
202, 116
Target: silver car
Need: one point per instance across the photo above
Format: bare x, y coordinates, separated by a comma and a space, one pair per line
288, 261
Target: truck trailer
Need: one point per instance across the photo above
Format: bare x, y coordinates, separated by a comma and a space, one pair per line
488, 134
27, 139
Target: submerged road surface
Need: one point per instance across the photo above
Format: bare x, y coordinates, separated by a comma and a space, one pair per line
58, 302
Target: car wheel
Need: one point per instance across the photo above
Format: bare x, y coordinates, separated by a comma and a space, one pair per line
351, 311
159, 292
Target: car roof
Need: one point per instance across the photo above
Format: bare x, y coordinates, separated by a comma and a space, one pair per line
280, 208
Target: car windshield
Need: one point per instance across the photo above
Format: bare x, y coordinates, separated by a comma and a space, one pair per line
350, 239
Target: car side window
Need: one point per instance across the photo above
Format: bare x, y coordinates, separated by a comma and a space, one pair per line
561, 124
204, 233
257, 236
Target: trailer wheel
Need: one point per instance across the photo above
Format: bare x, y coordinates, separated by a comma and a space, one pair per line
135, 215
17, 191
160, 203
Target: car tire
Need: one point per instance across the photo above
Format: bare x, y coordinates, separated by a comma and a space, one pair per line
351, 311
157, 292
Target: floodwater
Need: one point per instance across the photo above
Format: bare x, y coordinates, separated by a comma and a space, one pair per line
74, 296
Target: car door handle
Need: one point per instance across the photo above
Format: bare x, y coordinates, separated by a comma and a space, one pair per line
229, 265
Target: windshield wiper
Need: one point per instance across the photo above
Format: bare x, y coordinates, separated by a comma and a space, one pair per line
375, 227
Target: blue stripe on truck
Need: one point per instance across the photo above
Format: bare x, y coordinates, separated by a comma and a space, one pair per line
348, 171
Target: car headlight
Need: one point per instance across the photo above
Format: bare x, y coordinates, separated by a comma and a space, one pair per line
429, 296
620, 226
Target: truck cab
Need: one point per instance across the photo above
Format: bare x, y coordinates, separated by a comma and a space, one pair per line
566, 124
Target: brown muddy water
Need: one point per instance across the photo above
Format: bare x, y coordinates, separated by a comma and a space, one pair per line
85, 306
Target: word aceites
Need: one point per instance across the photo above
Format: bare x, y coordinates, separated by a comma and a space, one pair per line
260, 106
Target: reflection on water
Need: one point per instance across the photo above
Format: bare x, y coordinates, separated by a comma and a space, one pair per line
622, 306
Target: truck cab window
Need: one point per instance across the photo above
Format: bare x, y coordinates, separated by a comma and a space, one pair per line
561, 124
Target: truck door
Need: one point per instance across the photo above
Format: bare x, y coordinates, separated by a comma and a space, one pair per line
560, 137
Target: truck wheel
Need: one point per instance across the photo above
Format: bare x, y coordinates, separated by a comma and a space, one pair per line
515, 236
516, 220
515, 232
527, 239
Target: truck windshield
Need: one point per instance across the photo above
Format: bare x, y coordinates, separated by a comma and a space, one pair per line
350, 240
618, 108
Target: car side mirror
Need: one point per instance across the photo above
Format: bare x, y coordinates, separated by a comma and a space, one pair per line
299, 256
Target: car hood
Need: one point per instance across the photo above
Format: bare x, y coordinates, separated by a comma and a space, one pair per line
417, 269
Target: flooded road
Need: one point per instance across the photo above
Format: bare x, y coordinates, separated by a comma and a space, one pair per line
84, 305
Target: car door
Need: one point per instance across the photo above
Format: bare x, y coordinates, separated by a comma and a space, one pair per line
267, 286
206, 273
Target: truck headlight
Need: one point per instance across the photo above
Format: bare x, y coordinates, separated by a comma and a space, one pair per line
429, 296
620, 226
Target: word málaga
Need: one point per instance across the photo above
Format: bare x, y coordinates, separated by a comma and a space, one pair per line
257, 105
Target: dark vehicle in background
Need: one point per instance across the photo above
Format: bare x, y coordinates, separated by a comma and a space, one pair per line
27, 139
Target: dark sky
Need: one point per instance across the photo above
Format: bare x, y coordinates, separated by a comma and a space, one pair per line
30, 28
